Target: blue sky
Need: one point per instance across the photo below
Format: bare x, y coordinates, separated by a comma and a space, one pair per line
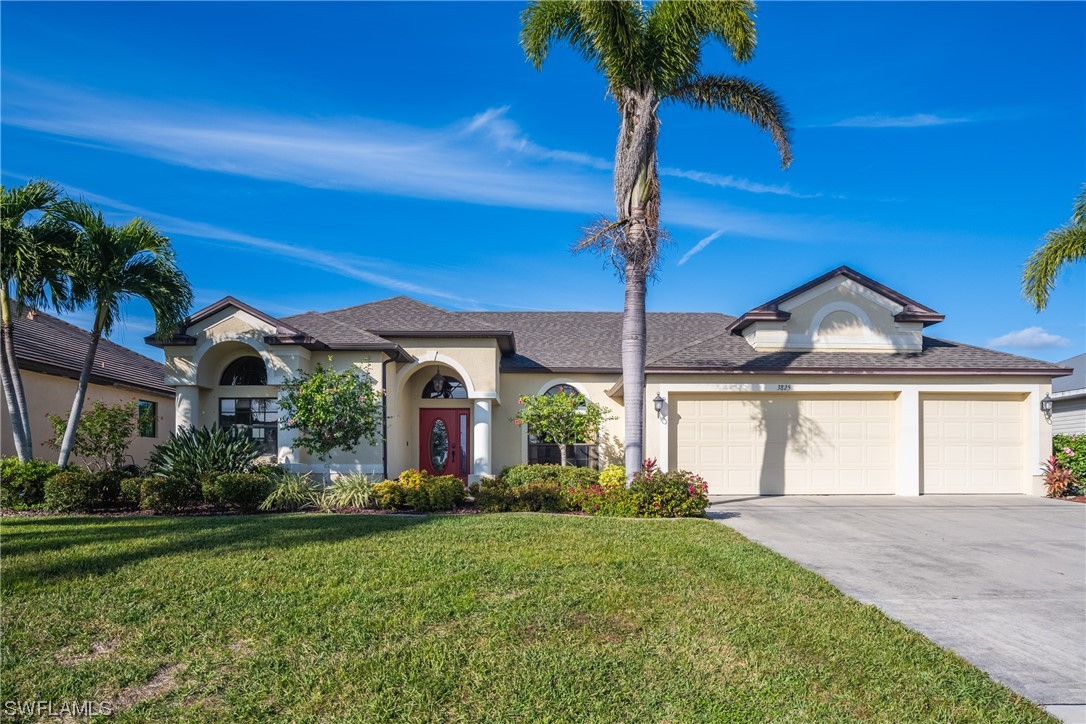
313, 156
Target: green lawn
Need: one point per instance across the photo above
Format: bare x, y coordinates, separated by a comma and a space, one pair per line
486, 617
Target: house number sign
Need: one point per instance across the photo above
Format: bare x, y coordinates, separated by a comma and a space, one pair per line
783, 388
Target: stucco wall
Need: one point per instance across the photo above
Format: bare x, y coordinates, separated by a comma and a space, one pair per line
51, 394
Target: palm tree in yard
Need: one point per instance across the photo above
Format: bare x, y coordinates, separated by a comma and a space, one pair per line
651, 55
33, 276
111, 265
1062, 246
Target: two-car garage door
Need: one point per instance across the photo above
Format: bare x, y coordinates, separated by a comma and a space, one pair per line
789, 443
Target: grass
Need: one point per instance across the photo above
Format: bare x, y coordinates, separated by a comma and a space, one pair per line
470, 618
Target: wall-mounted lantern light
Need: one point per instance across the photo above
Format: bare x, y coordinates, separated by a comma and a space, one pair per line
658, 403
1046, 407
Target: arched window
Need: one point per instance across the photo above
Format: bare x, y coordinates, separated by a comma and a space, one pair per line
245, 371
443, 387
542, 450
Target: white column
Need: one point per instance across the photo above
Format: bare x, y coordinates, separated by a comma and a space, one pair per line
1039, 446
480, 440
908, 442
186, 407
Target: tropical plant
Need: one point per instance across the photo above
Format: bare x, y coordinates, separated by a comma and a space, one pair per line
194, 452
350, 491
110, 265
650, 54
292, 491
32, 275
561, 418
1059, 480
331, 410
1062, 246
103, 434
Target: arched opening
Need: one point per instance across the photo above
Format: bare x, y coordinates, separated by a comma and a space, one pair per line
443, 386
247, 370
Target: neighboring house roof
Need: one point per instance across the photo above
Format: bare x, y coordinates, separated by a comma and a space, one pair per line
913, 310
592, 341
46, 344
1075, 383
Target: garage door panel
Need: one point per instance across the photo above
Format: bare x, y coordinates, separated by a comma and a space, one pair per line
973, 445
780, 444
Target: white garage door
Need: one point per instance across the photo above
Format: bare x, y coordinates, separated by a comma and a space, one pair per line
974, 444
786, 443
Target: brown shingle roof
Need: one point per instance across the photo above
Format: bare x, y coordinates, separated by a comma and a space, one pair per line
53, 346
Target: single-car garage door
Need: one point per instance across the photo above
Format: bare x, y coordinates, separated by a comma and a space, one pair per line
973, 444
787, 443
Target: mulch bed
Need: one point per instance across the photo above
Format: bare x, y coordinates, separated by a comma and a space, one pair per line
1076, 498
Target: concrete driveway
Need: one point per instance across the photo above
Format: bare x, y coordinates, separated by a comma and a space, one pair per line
1001, 580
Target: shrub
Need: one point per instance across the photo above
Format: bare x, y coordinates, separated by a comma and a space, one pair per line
162, 493
496, 496
675, 494
102, 435
565, 476
245, 490
613, 477
131, 491
350, 491
291, 491
22, 485
415, 489
73, 490
1070, 452
193, 452
1060, 481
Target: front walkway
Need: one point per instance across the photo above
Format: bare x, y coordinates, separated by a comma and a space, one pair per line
1001, 580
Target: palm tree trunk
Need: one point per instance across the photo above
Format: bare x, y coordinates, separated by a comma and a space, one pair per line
633, 367
80, 398
13, 383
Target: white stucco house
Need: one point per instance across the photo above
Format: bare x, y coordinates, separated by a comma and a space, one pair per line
830, 388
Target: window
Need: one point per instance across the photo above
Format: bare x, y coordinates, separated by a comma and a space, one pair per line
245, 371
541, 450
257, 417
147, 420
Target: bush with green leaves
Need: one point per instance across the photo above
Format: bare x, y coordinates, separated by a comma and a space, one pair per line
194, 452
563, 419
72, 491
497, 496
350, 491
244, 490
331, 410
164, 494
291, 491
613, 477
674, 494
420, 491
565, 476
102, 436
1070, 453
22, 485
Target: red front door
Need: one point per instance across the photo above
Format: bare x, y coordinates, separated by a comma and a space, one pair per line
443, 442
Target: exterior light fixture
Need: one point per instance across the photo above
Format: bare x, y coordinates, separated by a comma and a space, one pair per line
437, 382
1046, 407
658, 403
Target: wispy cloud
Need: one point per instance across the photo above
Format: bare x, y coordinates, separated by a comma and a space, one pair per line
734, 182
700, 245
916, 120
1030, 338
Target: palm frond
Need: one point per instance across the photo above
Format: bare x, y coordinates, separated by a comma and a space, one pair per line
746, 98
547, 21
676, 31
1062, 246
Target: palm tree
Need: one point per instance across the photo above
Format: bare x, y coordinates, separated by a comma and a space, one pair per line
650, 55
1062, 246
111, 265
32, 271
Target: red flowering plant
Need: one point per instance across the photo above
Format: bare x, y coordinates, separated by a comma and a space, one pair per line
673, 494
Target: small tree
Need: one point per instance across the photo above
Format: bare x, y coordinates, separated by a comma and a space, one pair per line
332, 410
102, 436
562, 418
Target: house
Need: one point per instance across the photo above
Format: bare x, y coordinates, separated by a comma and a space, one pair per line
830, 388
51, 352
1069, 399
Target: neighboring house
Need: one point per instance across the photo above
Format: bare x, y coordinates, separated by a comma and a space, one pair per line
51, 353
1069, 399
830, 388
